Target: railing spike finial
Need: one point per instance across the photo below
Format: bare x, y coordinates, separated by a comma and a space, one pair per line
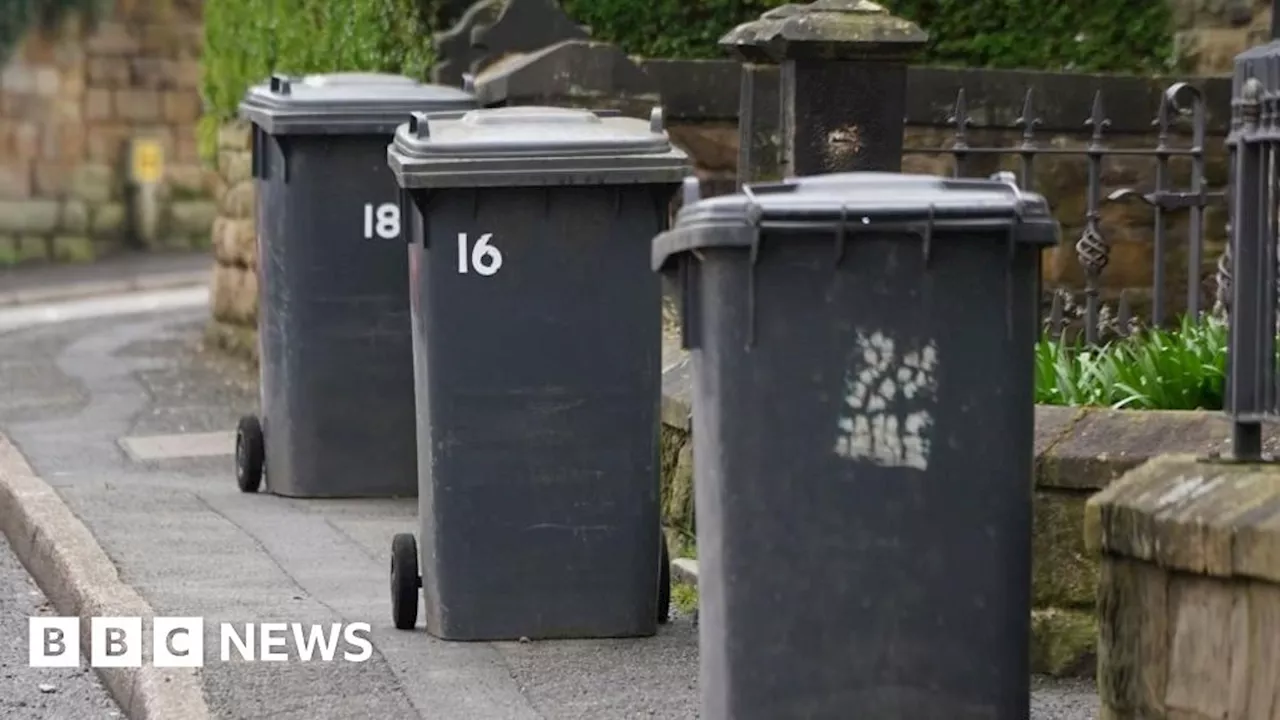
1028, 120
1097, 117
960, 114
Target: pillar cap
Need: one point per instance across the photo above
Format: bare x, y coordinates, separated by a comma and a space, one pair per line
826, 30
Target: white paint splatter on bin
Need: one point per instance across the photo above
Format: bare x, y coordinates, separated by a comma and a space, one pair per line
888, 398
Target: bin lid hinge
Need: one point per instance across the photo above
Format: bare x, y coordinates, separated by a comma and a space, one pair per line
842, 231
755, 216
926, 237
1011, 251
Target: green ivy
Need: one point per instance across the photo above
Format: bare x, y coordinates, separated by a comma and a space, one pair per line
1084, 35
247, 40
18, 17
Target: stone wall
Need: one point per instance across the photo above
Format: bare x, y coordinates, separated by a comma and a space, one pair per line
1210, 33
72, 99
234, 294
1189, 598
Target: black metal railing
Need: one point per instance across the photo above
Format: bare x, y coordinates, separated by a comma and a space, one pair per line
1180, 121
1253, 144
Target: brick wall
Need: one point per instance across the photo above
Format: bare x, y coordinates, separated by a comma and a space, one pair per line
72, 99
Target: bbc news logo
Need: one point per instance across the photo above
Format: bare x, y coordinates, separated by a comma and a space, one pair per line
179, 642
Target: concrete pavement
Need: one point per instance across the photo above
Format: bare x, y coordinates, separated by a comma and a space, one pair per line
75, 394
129, 272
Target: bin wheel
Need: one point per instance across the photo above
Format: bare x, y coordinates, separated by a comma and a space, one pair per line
250, 454
405, 581
664, 584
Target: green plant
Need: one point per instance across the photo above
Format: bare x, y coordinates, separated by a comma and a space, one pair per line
1083, 35
18, 17
1181, 368
247, 40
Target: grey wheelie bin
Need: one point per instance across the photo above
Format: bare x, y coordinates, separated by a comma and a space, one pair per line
862, 350
334, 336
537, 340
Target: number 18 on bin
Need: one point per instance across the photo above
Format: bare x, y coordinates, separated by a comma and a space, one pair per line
382, 221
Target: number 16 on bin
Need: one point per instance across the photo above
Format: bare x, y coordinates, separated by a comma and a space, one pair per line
482, 258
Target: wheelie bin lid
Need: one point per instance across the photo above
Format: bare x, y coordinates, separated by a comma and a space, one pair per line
533, 146
850, 203
350, 103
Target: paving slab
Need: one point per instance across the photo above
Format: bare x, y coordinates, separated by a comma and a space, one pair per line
122, 417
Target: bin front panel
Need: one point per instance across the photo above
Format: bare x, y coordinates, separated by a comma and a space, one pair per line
540, 387
863, 466
337, 368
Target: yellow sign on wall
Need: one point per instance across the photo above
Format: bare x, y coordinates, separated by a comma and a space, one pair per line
148, 161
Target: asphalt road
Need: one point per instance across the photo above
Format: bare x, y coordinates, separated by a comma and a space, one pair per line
28, 693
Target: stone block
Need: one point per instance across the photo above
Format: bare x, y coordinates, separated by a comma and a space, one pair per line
235, 166
188, 181
8, 250
234, 243
181, 106
157, 38
33, 248
64, 141
677, 480
107, 219
1207, 625
75, 78
1195, 516
24, 141
234, 295
238, 201
187, 74
72, 248
98, 105
15, 180
18, 79
93, 183
186, 148
137, 105
192, 217
108, 72
1262, 682
1133, 637
75, 217
47, 81
20, 217
1063, 573
51, 179
151, 73
106, 142
235, 135
712, 147
112, 39
1063, 642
